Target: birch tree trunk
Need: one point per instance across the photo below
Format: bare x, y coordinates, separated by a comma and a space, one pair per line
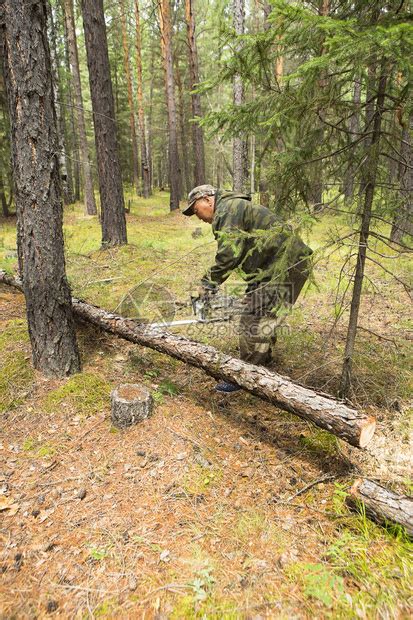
28, 78
167, 57
197, 132
128, 73
145, 167
89, 196
107, 153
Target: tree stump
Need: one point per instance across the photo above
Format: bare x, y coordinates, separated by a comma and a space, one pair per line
131, 403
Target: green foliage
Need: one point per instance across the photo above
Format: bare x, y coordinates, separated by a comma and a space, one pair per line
98, 554
85, 393
319, 582
202, 584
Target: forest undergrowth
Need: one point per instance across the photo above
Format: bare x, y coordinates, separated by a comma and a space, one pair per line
199, 511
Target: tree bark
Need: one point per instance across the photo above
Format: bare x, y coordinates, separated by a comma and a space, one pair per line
185, 150
110, 175
403, 220
4, 205
354, 427
167, 57
370, 173
197, 132
382, 505
61, 125
126, 64
240, 145
73, 141
89, 196
145, 167
353, 128
28, 78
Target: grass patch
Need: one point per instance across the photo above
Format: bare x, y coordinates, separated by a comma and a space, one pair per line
16, 377
85, 393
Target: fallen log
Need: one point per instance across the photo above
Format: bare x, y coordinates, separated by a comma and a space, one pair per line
382, 505
336, 417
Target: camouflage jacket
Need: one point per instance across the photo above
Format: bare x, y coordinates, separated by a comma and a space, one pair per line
257, 256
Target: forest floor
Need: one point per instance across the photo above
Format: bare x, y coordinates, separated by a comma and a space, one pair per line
215, 507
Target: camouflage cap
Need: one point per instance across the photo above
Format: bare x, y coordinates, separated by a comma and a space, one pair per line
195, 194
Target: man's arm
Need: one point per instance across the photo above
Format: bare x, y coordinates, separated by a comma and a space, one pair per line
230, 252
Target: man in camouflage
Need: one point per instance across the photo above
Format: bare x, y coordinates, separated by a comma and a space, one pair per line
272, 260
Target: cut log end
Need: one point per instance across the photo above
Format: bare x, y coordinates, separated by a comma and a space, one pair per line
130, 403
367, 432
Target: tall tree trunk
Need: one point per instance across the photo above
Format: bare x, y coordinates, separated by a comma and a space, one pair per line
150, 118
370, 173
183, 133
353, 128
73, 139
61, 126
145, 168
126, 63
197, 132
110, 176
28, 78
167, 57
4, 205
403, 220
240, 145
89, 197
315, 194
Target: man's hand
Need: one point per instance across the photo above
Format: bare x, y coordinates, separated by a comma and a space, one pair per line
205, 292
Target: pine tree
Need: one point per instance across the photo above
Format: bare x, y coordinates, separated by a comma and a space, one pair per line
28, 77
175, 180
89, 196
107, 154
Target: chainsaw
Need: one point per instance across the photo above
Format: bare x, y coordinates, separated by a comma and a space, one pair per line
214, 308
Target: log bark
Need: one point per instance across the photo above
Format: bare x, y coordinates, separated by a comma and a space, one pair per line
354, 427
381, 504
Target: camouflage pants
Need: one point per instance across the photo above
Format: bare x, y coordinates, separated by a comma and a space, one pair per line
266, 306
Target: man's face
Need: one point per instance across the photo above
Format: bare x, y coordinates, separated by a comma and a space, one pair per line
204, 209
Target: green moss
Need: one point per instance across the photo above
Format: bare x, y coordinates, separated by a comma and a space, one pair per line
86, 393
16, 378
13, 333
188, 608
41, 450
320, 441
